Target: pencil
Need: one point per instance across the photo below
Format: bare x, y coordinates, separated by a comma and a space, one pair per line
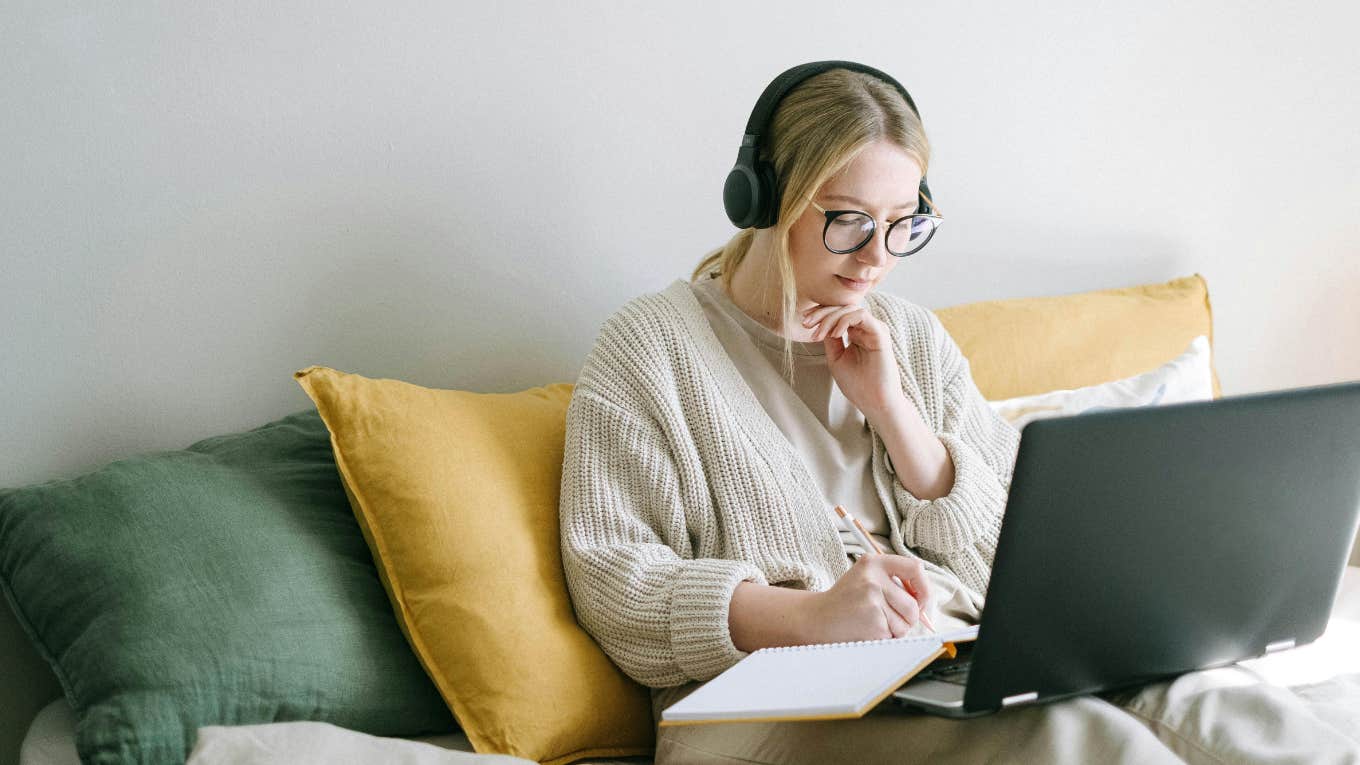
879, 550
871, 547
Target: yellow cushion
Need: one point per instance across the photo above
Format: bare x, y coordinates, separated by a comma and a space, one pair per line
457, 495
1024, 346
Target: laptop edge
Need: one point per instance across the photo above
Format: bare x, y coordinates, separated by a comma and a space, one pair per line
1199, 565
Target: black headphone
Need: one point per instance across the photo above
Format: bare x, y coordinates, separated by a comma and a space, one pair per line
750, 194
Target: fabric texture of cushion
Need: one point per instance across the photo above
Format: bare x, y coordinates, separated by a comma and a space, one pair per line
1188, 377
316, 742
223, 584
1024, 346
457, 494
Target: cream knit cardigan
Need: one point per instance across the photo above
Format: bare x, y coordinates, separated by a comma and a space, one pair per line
676, 485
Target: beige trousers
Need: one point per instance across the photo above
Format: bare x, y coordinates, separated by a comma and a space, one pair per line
1225, 715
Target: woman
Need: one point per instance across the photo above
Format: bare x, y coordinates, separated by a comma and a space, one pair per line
716, 424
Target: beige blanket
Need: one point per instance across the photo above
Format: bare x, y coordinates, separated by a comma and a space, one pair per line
1300, 706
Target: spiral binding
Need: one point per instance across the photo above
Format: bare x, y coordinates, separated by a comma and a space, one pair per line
879, 641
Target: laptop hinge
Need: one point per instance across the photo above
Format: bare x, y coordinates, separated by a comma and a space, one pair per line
1019, 698
1280, 645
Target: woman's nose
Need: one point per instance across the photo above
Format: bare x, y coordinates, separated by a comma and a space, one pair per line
875, 251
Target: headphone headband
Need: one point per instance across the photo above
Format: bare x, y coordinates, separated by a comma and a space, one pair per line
750, 193
781, 85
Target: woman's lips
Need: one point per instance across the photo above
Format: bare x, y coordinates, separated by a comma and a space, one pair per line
852, 284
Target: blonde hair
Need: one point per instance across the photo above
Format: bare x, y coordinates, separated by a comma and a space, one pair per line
819, 127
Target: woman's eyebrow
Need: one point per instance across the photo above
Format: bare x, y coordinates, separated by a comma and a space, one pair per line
861, 202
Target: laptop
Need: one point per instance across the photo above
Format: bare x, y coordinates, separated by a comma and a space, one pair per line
1138, 544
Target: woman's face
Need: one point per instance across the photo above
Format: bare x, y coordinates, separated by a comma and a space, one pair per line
882, 181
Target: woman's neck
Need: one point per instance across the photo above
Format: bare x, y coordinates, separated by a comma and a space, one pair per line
755, 289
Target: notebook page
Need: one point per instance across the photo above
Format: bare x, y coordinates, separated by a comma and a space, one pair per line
824, 680
960, 635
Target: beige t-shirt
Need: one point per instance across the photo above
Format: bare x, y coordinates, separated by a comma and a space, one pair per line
823, 425
831, 435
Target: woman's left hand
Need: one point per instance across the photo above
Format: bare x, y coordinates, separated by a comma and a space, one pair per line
866, 369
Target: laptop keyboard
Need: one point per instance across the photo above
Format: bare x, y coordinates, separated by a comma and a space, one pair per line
953, 673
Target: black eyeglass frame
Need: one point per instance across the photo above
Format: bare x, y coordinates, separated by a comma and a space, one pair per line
831, 215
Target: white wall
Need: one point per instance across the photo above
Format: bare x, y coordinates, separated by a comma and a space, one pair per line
198, 199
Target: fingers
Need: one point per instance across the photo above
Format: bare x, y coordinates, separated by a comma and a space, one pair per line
918, 593
839, 326
903, 604
897, 626
821, 317
858, 323
814, 315
912, 573
835, 324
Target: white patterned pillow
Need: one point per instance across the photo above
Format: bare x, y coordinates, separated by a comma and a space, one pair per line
1188, 377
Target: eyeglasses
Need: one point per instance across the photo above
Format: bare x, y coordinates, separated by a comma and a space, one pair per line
848, 230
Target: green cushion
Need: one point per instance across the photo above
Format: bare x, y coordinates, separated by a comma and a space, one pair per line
226, 583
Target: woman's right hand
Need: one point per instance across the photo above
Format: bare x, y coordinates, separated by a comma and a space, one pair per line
866, 604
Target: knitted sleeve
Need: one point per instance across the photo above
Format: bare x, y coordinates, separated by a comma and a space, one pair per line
959, 530
659, 613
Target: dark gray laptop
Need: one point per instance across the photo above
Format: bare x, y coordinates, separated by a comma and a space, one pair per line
1142, 543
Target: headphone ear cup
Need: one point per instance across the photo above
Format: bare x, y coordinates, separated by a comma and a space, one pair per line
741, 196
922, 207
769, 195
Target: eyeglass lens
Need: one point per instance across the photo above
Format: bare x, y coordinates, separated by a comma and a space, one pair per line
849, 231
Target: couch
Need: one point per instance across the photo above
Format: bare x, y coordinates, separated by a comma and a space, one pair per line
1016, 348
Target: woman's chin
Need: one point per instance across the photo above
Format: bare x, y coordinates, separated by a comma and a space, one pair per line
833, 292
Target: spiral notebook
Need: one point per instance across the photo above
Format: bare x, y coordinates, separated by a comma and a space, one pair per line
823, 681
